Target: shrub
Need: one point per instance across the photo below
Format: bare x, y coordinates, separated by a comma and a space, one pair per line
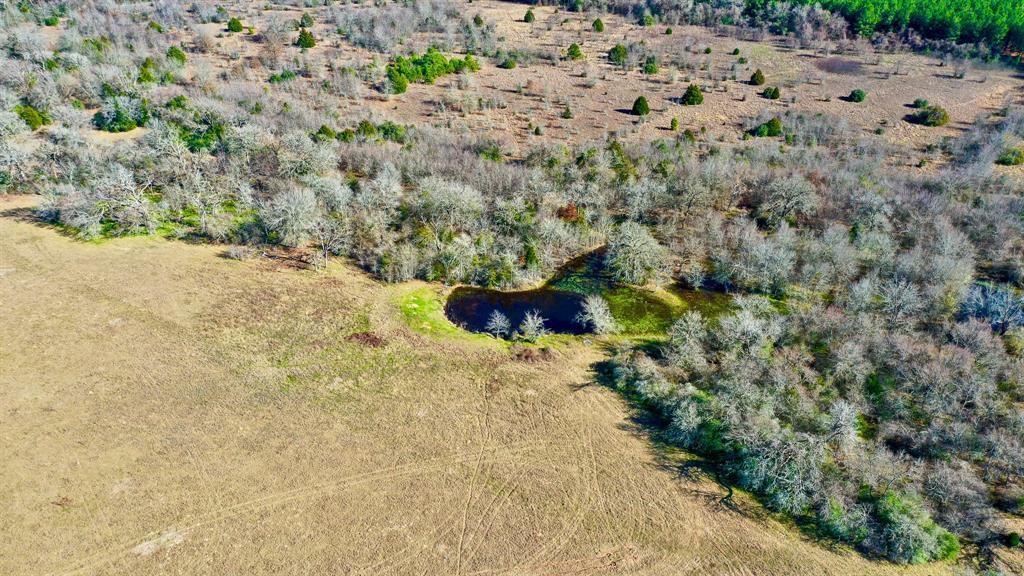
598, 25
34, 118
179, 102
306, 20
668, 31
478, 20
647, 20
574, 52
1013, 540
735, 51
920, 103
234, 25
567, 113
771, 93
650, 65
707, 50
618, 55
305, 39
674, 124
325, 133
509, 63
177, 55
930, 116
769, 129
529, 17
757, 78
1011, 157
693, 96
858, 95
147, 75
641, 107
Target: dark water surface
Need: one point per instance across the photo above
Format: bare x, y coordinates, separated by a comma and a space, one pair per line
471, 307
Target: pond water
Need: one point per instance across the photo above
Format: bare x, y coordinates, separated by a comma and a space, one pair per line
471, 307
638, 310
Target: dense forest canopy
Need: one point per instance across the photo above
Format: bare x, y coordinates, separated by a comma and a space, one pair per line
999, 23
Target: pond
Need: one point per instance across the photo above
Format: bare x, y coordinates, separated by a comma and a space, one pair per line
637, 310
471, 308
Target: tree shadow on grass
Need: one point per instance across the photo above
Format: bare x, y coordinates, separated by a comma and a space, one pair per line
651, 427
691, 469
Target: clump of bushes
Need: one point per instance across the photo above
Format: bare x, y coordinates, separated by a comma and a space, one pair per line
32, 117
858, 95
930, 115
771, 93
641, 107
426, 68
693, 96
770, 129
176, 54
283, 76
757, 78
1011, 157
121, 114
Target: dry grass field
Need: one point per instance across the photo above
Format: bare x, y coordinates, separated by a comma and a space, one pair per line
169, 411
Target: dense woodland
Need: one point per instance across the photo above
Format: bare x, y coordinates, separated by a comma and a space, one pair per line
867, 381
999, 24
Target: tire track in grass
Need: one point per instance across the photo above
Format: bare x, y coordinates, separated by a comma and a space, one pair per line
255, 504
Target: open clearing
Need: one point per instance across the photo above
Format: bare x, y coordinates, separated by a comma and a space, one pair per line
169, 411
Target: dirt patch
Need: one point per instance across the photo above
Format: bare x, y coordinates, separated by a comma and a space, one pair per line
366, 339
837, 65
530, 354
